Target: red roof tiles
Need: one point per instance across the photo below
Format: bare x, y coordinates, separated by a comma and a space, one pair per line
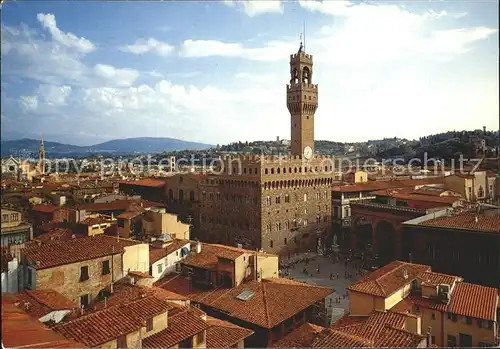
147, 182
269, 306
466, 221
100, 327
380, 329
301, 337
405, 195
388, 279
43, 302
21, 330
55, 253
119, 205
155, 254
182, 325
223, 334
474, 300
44, 208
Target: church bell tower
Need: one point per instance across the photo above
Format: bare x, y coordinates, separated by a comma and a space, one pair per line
41, 161
302, 102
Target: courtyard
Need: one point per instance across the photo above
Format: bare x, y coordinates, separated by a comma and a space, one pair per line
337, 304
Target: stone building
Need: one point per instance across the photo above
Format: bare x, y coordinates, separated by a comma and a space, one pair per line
280, 204
80, 268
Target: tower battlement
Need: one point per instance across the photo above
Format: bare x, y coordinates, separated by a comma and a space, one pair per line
299, 85
302, 56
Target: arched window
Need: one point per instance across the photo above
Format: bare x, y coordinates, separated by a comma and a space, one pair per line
191, 195
306, 75
181, 195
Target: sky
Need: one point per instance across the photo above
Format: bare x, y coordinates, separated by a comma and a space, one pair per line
216, 71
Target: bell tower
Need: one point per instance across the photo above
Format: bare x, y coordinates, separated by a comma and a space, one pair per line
302, 102
41, 160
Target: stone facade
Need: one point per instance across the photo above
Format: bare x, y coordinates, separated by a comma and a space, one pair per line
65, 279
281, 205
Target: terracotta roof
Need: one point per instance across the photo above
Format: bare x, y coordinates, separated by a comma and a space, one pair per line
43, 302
181, 326
55, 253
155, 254
139, 274
147, 182
223, 334
58, 234
331, 338
404, 195
146, 307
466, 221
463, 175
130, 214
301, 337
269, 306
434, 279
388, 279
377, 185
210, 253
21, 330
44, 208
95, 220
474, 300
118, 205
380, 329
100, 327
6, 257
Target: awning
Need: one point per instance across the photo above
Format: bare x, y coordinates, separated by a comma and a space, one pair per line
184, 251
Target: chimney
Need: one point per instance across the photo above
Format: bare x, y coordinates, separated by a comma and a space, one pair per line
405, 273
105, 302
73, 236
198, 247
429, 337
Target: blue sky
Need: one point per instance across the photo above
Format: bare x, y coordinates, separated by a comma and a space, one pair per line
215, 72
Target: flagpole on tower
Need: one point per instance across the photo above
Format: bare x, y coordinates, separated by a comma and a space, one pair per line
304, 31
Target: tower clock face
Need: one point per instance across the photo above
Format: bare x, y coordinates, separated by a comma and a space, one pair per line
308, 152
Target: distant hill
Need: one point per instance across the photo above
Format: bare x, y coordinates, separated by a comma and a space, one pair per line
29, 147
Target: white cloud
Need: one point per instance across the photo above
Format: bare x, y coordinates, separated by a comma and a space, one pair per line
28, 103
142, 46
54, 95
271, 51
253, 8
121, 77
57, 61
48, 21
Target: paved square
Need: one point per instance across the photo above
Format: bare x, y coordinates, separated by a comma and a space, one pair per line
326, 266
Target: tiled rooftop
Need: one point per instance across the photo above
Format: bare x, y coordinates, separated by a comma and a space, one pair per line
21, 330
380, 329
406, 195
223, 334
55, 253
184, 324
301, 337
43, 302
378, 185
57, 234
270, 305
119, 205
100, 327
465, 299
147, 182
466, 221
208, 257
388, 279
155, 254
474, 300
44, 208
